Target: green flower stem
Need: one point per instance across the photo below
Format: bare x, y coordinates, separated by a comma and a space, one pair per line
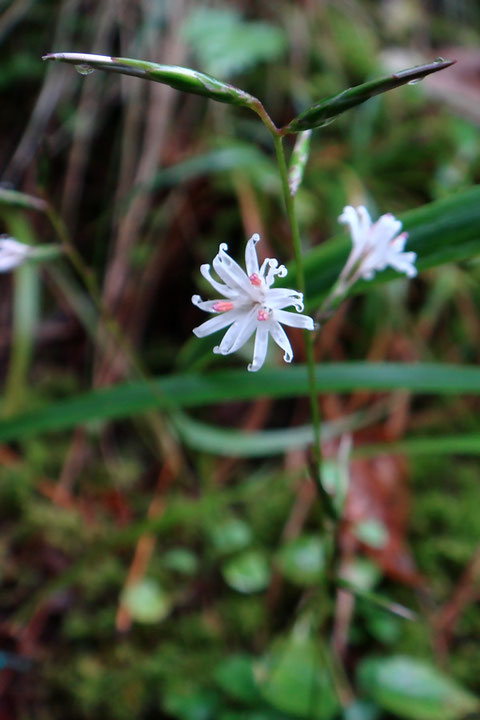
297, 246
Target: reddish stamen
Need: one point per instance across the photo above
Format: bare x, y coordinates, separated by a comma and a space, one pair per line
223, 306
263, 314
255, 279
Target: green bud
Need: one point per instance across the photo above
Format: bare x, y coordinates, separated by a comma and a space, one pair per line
299, 161
180, 78
324, 112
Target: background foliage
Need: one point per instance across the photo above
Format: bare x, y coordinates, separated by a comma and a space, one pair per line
170, 566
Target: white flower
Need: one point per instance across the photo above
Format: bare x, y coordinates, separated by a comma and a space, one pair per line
12, 253
250, 305
375, 246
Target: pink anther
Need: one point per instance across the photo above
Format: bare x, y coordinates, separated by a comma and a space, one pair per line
263, 314
255, 279
223, 306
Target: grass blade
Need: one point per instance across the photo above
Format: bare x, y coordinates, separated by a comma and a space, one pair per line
190, 390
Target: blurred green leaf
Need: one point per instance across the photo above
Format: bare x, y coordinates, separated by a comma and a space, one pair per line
225, 44
251, 715
192, 390
302, 560
383, 626
414, 689
293, 678
325, 111
146, 601
234, 156
230, 535
248, 572
372, 532
181, 560
376, 599
235, 677
200, 705
360, 710
468, 444
361, 573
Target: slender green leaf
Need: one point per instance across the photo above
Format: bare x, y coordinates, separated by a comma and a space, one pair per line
190, 390
262, 443
180, 78
294, 678
435, 445
414, 689
230, 442
325, 111
376, 599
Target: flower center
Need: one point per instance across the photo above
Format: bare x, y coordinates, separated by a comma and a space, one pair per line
263, 314
223, 306
255, 279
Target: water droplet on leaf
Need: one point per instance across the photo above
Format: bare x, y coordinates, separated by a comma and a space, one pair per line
84, 69
415, 81
439, 60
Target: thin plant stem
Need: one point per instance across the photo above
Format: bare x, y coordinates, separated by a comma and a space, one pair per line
297, 246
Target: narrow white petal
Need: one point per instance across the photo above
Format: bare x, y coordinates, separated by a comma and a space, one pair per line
404, 263
208, 305
398, 243
293, 319
230, 271
251, 259
219, 287
283, 297
384, 230
370, 265
357, 220
280, 337
238, 334
260, 348
365, 221
216, 323
12, 253
9, 263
